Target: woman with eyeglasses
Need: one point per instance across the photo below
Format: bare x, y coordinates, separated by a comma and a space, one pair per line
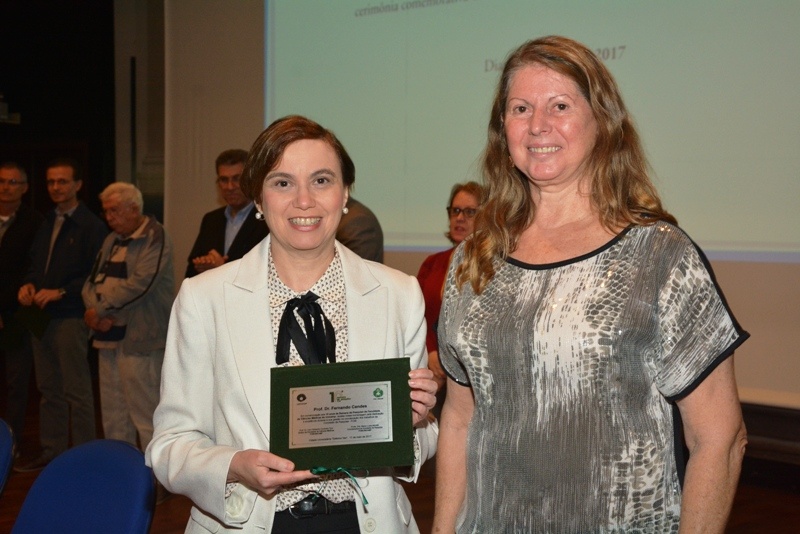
465, 199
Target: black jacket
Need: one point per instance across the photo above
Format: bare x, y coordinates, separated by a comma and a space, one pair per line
15, 256
73, 256
212, 236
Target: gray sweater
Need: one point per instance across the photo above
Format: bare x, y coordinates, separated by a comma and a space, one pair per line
137, 295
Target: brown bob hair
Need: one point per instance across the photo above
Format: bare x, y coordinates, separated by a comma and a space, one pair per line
269, 146
621, 190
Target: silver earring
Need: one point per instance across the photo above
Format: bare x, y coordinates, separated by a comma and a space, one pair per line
259, 216
345, 210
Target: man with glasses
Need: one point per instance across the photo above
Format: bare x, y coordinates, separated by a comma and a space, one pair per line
18, 225
62, 256
128, 297
229, 232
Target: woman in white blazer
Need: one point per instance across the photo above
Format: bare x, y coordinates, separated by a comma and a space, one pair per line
212, 426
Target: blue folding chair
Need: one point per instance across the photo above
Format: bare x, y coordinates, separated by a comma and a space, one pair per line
99, 487
6, 453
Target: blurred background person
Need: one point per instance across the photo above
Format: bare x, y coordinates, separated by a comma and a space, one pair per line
18, 225
63, 253
128, 296
360, 231
297, 298
582, 331
465, 199
229, 232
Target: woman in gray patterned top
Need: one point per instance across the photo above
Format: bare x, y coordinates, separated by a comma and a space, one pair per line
583, 334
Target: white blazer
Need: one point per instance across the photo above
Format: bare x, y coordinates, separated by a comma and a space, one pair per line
215, 386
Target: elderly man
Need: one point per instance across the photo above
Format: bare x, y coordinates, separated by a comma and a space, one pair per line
128, 296
61, 257
227, 233
18, 226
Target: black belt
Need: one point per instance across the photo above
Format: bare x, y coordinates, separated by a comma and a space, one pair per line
315, 505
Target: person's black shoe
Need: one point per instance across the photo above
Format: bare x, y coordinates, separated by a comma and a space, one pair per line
35, 465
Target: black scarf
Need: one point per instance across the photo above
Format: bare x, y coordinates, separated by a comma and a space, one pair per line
317, 344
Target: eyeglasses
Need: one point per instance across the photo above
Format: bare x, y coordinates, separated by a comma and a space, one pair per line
60, 181
12, 182
228, 180
469, 213
116, 210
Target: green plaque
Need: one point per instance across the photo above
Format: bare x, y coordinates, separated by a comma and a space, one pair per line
354, 415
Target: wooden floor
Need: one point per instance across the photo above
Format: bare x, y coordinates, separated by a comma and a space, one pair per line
767, 501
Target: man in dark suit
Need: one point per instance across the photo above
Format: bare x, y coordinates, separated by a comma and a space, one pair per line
360, 231
227, 233
63, 253
18, 225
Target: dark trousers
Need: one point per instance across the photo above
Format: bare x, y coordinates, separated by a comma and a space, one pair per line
64, 380
15, 345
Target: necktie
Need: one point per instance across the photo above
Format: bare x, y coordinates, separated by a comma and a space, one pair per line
5, 222
57, 224
317, 344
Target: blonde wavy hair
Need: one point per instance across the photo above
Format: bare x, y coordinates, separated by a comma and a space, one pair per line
621, 190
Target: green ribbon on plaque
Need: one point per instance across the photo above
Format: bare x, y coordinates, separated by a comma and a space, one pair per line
351, 415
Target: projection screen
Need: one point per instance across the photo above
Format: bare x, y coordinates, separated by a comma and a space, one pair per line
407, 86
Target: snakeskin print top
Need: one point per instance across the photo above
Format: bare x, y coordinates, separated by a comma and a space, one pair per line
575, 367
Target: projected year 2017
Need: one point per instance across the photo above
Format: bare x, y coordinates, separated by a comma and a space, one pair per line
610, 52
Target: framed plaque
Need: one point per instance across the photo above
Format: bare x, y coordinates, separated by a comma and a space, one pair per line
354, 415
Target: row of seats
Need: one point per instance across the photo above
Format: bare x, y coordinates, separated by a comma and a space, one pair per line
109, 473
